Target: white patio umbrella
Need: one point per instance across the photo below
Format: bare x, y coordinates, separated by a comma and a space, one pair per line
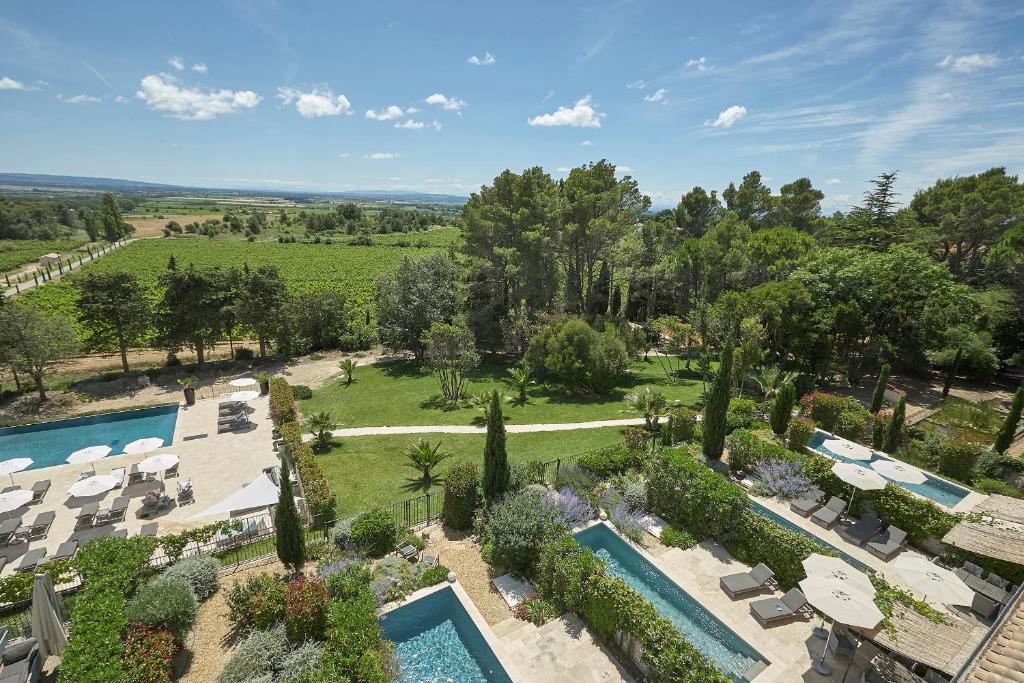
89, 454
843, 604
158, 463
140, 446
47, 621
934, 582
258, 493
242, 382
859, 477
836, 569
847, 449
14, 465
12, 500
93, 486
898, 471
244, 396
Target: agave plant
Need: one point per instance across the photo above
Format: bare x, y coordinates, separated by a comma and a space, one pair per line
770, 378
320, 425
648, 403
424, 458
347, 366
519, 379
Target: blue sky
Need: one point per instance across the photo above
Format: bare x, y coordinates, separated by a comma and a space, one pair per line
441, 96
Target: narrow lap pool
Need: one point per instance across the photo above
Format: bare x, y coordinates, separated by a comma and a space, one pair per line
733, 656
933, 488
824, 545
436, 641
50, 443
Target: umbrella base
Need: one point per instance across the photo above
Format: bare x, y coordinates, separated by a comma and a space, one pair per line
821, 667
821, 632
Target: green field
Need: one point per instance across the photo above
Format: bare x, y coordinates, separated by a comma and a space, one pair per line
14, 253
405, 393
366, 471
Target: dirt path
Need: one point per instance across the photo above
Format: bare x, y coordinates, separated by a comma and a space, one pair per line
473, 429
31, 284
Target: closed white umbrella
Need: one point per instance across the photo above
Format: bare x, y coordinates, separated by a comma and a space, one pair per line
836, 569
847, 449
140, 446
934, 582
837, 600
898, 471
242, 382
244, 396
93, 486
859, 477
14, 465
260, 492
89, 454
158, 463
47, 622
12, 500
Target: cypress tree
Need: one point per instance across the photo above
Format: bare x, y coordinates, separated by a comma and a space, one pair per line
879, 395
616, 304
953, 369
782, 409
717, 407
895, 428
290, 539
1005, 436
495, 456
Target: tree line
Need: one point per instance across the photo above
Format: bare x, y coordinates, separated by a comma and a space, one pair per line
44, 218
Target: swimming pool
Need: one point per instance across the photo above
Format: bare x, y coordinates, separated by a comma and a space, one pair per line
933, 488
824, 545
733, 656
50, 443
436, 641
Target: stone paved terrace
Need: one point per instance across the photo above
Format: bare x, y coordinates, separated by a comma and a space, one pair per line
217, 464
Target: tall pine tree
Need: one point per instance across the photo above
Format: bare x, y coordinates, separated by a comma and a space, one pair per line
1005, 436
290, 540
879, 395
717, 407
495, 456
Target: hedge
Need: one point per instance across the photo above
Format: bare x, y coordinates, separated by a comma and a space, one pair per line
282, 402
319, 498
759, 539
604, 462
110, 569
461, 496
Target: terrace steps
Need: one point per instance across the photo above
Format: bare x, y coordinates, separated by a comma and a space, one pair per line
561, 650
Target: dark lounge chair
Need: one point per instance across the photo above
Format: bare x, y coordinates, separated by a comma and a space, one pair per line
776, 610
738, 585
149, 529
8, 489
118, 508
886, 544
806, 504
87, 515
41, 525
861, 530
984, 607
66, 551
21, 663
31, 559
39, 490
7, 530
829, 514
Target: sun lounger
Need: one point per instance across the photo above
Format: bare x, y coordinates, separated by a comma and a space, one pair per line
39, 490
408, 552
775, 610
737, 585
41, 525
428, 560
87, 515
861, 530
887, 543
7, 530
120, 533
31, 560
172, 471
149, 529
8, 489
118, 508
118, 473
829, 515
806, 504
66, 551
231, 425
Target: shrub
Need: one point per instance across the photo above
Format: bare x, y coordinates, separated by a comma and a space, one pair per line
636, 438
855, 425
564, 570
243, 353
355, 649
536, 611
758, 539
604, 462
301, 392
375, 532
305, 609
200, 571
461, 496
341, 534
747, 450
319, 498
522, 474
579, 479
262, 653
256, 603
572, 351
570, 509
672, 537
627, 520
516, 528
166, 602
18, 586
799, 433
282, 402
782, 478
823, 408
996, 486
684, 424
633, 491
957, 458
302, 665
148, 655
741, 414
346, 579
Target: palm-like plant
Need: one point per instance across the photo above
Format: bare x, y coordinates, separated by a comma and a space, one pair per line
519, 379
347, 366
769, 378
482, 401
648, 403
320, 425
424, 458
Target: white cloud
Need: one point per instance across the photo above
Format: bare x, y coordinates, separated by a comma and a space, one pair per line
391, 113
411, 125
551, 93
586, 143
394, 178
121, 99
728, 117
624, 169
7, 83
344, 155
833, 181
563, 169
700, 63
448, 103
382, 155
436, 125
177, 63
161, 92
657, 96
412, 110
486, 60
637, 85
78, 99
580, 115
199, 68
966, 64
315, 103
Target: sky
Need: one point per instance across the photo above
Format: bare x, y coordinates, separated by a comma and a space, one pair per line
442, 96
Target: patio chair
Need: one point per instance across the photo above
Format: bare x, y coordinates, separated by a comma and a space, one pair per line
776, 610
231, 424
172, 471
186, 494
972, 568
41, 525
65, 551
997, 581
39, 490
118, 473
149, 529
886, 544
861, 530
118, 509
428, 560
7, 530
842, 644
829, 514
87, 515
738, 585
135, 476
408, 552
8, 489
30, 560
806, 504
984, 607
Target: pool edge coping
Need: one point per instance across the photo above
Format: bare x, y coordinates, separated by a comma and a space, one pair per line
98, 414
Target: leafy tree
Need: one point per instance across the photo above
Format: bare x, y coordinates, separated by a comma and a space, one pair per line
697, 211
348, 368
318, 319
751, 201
782, 408
321, 424
771, 378
675, 336
189, 314
36, 341
424, 458
496, 470
750, 353
584, 359
648, 403
799, 205
289, 540
894, 432
517, 329
774, 253
114, 227
716, 408
616, 303
416, 295
261, 304
879, 394
1005, 436
114, 310
451, 355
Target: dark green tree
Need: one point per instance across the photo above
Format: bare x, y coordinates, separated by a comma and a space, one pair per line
189, 314
114, 310
697, 211
782, 409
416, 295
35, 341
261, 304
951, 371
616, 303
496, 471
1005, 436
752, 200
879, 395
894, 432
717, 407
290, 540
114, 227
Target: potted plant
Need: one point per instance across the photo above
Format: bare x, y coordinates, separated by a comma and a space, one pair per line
264, 380
188, 385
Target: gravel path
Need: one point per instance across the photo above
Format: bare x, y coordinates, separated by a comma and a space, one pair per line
473, 429
459, 553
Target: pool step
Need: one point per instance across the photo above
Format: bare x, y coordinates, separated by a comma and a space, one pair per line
753, 668
511, 628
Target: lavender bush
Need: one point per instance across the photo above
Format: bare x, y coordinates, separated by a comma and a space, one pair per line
571, 509
627, 521
781, 478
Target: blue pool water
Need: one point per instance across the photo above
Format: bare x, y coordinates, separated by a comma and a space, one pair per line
436, 641
50, 443
733, 656
939, 490
824, 545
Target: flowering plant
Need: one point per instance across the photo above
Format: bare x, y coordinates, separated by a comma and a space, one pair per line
148, 653
305, 609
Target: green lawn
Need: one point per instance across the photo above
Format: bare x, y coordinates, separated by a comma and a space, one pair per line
405, 393
366, 471
963, 419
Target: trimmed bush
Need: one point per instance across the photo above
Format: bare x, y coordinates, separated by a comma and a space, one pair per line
522, 474
256, 603
282, 402
1006, 433
855, 425
690, 496
741, 414
319, 498
517, 528
758, 539
461, 496
166, 602
305, 609
148, 655
301, 392
261, 654
674, 538
200, 571
799, 433
636, 438
957, 458
604, 462
782, 408
684, 424
823, 408
375, 532
747, 450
